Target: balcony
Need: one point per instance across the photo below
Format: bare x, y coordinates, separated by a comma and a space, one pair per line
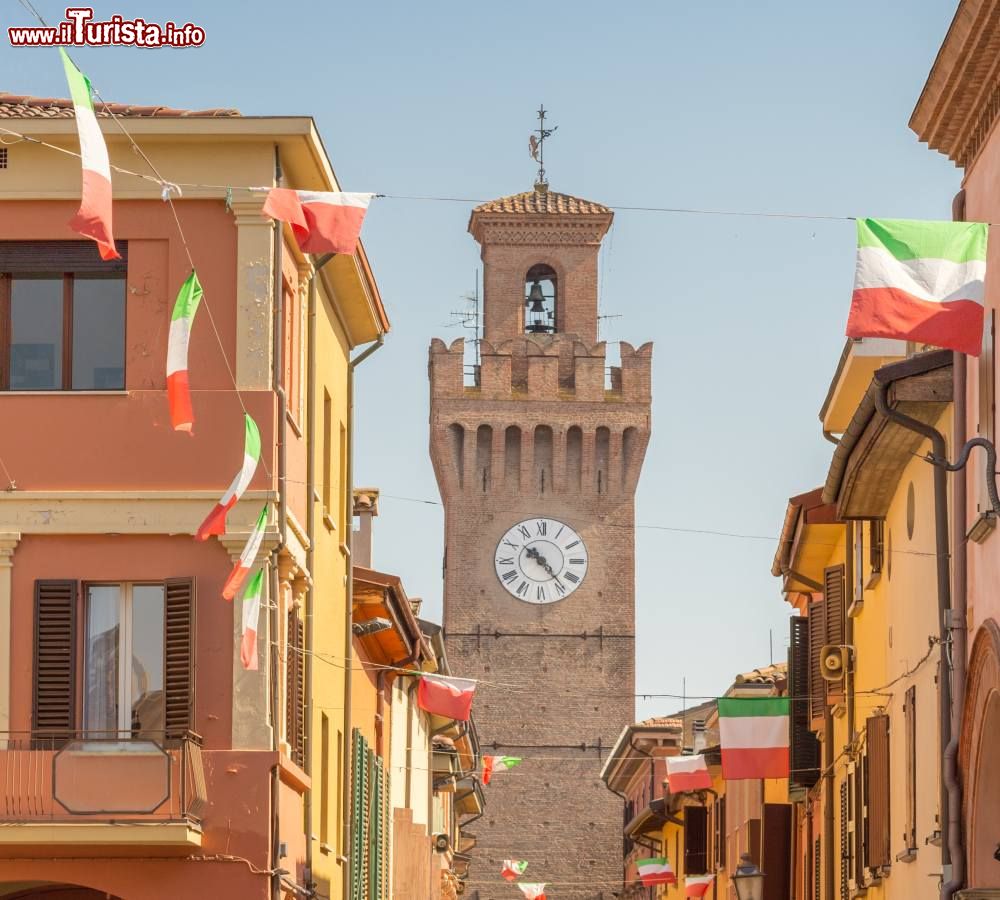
102, 790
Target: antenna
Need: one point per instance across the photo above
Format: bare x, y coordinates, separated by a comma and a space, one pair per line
536, 147
602, 318
469, 318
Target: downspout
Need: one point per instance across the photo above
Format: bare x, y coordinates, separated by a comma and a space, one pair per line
311, 538
380, 687
349, 612
851, 578
951, 794
828, 846
279, 434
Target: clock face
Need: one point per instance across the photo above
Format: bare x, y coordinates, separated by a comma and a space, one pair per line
541, 560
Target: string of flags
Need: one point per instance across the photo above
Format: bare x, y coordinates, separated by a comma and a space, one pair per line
513, 869
532, 890
443, 695
493, 764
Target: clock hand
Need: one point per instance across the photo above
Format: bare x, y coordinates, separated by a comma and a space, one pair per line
535, 555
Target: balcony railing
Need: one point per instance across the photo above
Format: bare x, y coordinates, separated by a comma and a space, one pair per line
88, 777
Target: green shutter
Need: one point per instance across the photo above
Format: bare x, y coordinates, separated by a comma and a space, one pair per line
359, 802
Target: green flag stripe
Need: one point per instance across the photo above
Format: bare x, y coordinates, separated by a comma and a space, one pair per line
254, 585
252, 447
917, 239
188, 298
79, 84
746, 707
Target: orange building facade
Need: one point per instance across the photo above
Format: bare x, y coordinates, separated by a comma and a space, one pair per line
138, 758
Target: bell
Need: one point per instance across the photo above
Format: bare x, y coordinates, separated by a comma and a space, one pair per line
536, 298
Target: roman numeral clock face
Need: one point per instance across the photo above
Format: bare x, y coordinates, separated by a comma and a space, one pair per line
541, 560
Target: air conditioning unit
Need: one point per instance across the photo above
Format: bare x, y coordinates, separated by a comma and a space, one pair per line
835, 661
442, 843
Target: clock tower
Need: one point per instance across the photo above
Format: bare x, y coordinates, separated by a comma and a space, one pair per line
537, 455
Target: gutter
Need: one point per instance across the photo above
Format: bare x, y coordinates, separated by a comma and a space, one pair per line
348, 825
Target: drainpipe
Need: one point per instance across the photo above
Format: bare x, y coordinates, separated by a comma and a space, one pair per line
349, 612
311, 538
951, 791
382, 683
828, 854
279, 434
852, 577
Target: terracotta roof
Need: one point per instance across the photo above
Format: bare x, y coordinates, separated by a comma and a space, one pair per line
659, 722
764, 675
22, 106
543, 203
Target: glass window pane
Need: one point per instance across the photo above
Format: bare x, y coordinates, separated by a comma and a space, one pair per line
98, 334
36, 313
148, 704
100, 708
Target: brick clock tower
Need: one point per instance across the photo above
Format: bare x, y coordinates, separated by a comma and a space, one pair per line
537, 463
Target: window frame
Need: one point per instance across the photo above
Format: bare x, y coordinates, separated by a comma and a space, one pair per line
124, 687
66, 350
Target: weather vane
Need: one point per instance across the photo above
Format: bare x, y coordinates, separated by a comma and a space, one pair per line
536, 147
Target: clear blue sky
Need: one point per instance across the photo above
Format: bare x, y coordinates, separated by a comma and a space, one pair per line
779, 106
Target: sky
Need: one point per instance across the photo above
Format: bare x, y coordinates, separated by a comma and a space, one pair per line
772, 106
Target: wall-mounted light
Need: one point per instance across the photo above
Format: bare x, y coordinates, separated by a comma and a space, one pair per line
372, 626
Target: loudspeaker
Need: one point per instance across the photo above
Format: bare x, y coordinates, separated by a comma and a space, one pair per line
834, 661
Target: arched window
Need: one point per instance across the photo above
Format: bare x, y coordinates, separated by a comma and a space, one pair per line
540, 300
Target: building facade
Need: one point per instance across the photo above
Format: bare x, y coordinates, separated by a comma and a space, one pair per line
140, 758
537, 458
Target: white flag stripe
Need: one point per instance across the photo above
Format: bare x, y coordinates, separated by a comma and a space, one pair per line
936, 280
678, 764
241, 482
744, 732
336, 198
251, 613
92, 147
249, 553
177, 345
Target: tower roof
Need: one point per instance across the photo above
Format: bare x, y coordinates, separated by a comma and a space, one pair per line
543, 203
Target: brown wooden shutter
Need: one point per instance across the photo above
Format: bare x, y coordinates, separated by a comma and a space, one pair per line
804, 747
723, 834
833, 593
845, 844
777, 851
178, 656
295, 701
695, 840
53, 710
817, 637
753, 848
877, 781
859, 830
910, 727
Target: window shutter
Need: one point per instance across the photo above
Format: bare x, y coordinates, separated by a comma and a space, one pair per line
695, 840
295, 700
178, 657
877, 783
833, 593
753, 832
804, 746
722, 833
57, 257
845, 844
817, 637
54, 701
777, 851
817, 869
910, 726
359, 759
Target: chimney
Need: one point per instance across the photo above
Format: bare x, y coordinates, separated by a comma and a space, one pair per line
415, 604
365, 509
698, 730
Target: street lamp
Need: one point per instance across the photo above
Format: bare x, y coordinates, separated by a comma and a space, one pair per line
748, 879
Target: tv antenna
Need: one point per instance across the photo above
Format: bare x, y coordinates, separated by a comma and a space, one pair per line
469, 317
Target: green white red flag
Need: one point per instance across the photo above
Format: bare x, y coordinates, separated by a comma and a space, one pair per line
532, 890
493, 764
655, 870
697, 885
322, 221
753, 732
513, 868
251, 616
93, 219
215, 521
920, 281
178, 385
688, 773
442, 695
247, 558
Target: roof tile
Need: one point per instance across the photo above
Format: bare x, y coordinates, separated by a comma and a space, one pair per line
22, 106
543, 203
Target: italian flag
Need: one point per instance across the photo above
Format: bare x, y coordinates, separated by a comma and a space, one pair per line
513, 868
322, 221
493, 764
688, 773
178, 389
920, 281
251, 615
448, 697
697, 885
655, 870
93, 218
245, 563
754, 737
215, 521
533, 890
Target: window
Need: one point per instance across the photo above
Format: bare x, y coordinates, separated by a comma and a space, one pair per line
540, 300
695, 840
124, 660
324, 784
327, 458
62, 318
291, 349
876, 547
910, 740
344, 498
